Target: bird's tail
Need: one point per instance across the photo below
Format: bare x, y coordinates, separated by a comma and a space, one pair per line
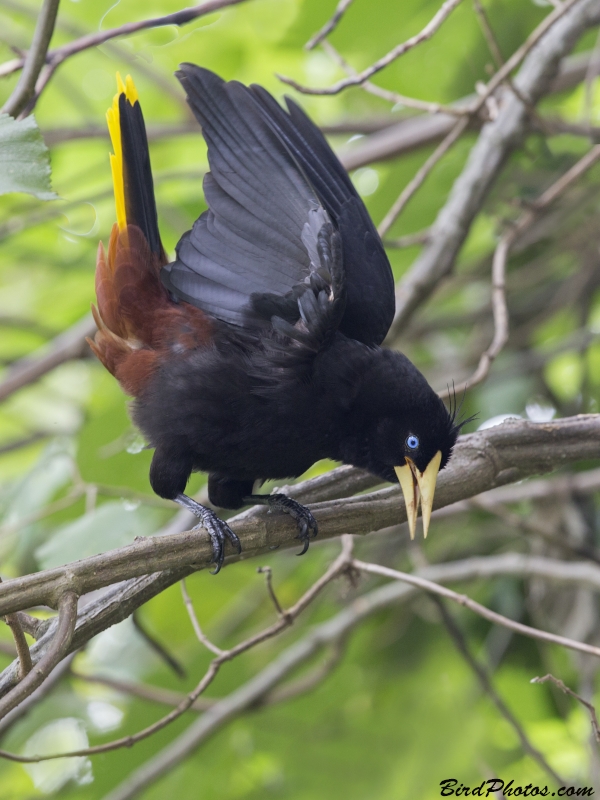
128, 287
138, 324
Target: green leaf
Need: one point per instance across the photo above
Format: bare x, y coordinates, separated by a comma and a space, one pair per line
24, 158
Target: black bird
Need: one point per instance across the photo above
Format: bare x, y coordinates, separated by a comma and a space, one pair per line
257, 351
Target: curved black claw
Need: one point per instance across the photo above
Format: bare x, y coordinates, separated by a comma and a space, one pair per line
217, 529
307, 524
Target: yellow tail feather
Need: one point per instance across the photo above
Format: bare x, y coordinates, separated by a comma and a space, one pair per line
116, 158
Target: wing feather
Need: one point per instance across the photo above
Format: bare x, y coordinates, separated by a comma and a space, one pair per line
274, 190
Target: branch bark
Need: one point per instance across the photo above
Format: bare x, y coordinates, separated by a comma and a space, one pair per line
483, 460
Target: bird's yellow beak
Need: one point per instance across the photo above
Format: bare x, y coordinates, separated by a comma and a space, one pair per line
416, 484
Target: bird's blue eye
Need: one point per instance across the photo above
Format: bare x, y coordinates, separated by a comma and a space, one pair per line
412, 442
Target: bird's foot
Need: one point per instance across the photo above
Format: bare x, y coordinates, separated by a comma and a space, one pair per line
218, 530
307, 524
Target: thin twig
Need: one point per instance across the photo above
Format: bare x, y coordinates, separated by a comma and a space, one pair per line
500, 315
307, 682
329, 26
160, 650
548, 44
421, 175
61, 54
338, 567
67, 618
154, 694
592, 710
43, 690
268, 573
409, 240
428, 31
21, 645
477, 608
196, 625
488, 33
410, 102
486, 684
35, 59
43, 80
499, 308
18, 624
392, 97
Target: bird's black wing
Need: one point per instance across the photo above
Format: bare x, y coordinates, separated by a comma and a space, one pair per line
370, 298
263, 244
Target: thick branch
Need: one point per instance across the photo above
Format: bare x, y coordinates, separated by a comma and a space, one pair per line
481, 461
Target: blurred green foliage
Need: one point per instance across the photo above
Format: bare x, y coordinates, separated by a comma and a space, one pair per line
403, 711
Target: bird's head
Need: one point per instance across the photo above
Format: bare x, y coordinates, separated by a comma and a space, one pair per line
411, 432
426, 438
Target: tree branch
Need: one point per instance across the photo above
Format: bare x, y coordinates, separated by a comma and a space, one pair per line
487, 157
35, 59
481, 461
355, 80
333, 631
591, 709
64, 347
338, 567
424, 130
54, 58
329, 26
486, 684
57, 650
507, 241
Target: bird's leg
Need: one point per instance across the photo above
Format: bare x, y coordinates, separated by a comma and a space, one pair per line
217, 529
307, 524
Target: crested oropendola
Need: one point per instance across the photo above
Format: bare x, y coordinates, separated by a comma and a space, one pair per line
256, 352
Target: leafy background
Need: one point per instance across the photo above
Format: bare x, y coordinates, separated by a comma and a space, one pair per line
402, 711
